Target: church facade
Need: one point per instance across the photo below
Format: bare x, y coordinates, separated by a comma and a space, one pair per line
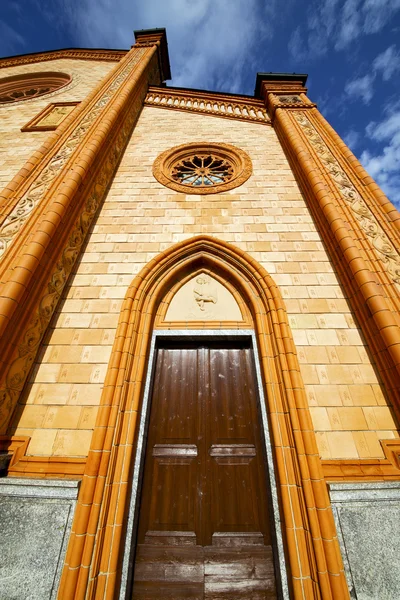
200, 340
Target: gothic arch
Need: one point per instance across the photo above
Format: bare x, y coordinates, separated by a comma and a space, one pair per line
94, 554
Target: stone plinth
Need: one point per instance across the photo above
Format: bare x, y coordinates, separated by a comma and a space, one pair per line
35, 521
368, 522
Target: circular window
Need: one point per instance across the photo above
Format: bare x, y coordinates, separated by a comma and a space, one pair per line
202, 168
30, 85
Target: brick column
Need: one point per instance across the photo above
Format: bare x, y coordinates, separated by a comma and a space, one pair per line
351, 215
51, 204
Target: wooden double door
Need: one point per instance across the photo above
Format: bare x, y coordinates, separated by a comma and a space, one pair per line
204, 525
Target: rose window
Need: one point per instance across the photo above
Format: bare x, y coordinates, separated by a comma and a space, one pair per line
202, 168
30, 85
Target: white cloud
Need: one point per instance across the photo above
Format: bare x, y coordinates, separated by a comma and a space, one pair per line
361, 88
339, 23
10, 40
377, 13
384, 165
314, 41
387, 63
350, 24
352, 139
296, 45
210, 41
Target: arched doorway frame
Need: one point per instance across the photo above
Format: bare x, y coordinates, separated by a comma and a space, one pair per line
163, 335
94, 557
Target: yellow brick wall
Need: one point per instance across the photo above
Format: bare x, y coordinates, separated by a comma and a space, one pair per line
268, 218
17, 146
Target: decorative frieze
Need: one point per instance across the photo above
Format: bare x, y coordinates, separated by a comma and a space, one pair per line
368, 223
26, 59
290, 100
211, 104
33, 196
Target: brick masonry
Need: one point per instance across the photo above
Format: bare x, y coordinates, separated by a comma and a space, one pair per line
267, 217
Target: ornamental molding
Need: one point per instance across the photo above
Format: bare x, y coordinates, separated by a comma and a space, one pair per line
219, 105
237, 162
102, 55
146, 43
292, 101
21, 211
382, 245
50, 117
278, 88
31, 338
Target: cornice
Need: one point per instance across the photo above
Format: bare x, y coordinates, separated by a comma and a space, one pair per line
270, 82
240, 108
77, 53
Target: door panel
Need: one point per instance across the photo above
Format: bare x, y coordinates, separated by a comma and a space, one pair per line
171, 471
237, 489
203, 524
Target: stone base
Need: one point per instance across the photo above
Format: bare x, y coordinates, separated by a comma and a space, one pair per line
35, 521
367, 518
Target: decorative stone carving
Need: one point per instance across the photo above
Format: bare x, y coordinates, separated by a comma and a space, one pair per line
50, 117
203, 298
368, 223
204, 291
32, 197
200, 168
290, 100
56, 115
208, 104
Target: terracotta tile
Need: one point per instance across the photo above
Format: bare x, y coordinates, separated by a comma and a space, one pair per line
42, 441
61, 417
341, 444
379, 417
320, 419
323, 445
31, 416
72, 443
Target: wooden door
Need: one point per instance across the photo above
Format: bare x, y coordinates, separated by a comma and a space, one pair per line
204, 523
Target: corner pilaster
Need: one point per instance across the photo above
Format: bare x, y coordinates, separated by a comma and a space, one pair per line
359, 230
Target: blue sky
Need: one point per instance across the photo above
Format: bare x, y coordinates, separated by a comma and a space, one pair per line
349, 48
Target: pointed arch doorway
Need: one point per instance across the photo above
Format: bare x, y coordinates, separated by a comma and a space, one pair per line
206, 526
99, 557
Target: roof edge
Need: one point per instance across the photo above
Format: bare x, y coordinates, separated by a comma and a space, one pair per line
282, 77
24, 58
199, 91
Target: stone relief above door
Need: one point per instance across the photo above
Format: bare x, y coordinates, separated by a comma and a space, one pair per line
203, 298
